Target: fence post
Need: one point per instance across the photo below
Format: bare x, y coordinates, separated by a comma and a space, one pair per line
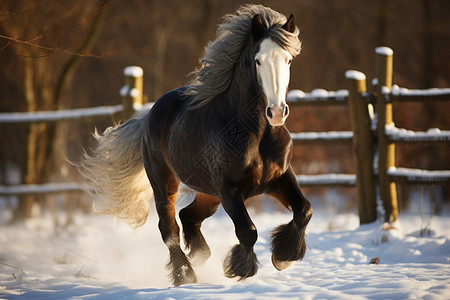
363, 149
386, 150
131, 92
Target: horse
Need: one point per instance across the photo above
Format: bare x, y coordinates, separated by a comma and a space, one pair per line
223, 136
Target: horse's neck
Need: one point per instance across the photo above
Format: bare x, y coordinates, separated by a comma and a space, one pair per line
246, 98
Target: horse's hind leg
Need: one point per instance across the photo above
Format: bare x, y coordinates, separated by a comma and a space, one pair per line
165, 187
192, 217
180, 266
288, 241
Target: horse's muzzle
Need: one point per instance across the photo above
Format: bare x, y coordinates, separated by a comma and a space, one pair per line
277, 115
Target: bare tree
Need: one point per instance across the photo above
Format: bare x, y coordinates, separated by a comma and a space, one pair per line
46, 40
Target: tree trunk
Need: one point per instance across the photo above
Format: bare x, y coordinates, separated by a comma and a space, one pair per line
46, 144
60, 131
24, 209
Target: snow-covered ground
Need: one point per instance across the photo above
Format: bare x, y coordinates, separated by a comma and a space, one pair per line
96, 258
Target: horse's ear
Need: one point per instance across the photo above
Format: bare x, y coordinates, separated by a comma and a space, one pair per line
290, 24
257, 27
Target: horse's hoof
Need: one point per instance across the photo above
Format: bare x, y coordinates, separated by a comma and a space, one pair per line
240, 263
281, 265
186, 277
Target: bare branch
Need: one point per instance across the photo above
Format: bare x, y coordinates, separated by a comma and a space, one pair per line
54, 51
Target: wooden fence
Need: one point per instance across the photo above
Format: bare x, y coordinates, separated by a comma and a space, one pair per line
373, 136
132, 100
388, 135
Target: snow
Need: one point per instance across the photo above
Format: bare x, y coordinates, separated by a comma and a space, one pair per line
324, 135
317, 95
95, 258
355, 75
133, 71
420, 174
398, 91
341, 94
431, 135
326, 179
126, 91
41, 188
293, 95
385, 91
59, 115
386, 51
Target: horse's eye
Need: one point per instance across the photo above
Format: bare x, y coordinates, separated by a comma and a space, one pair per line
257, 62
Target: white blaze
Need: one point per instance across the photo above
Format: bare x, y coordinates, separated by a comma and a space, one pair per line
273, 68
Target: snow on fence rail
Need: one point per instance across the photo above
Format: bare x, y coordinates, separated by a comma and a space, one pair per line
65, 115
46, 188
432, 135
60, 115
317, 97
327, 180
398, 94
418, 176
321, 137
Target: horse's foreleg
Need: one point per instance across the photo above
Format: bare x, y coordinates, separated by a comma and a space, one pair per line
288, 241
241, 260
192, 217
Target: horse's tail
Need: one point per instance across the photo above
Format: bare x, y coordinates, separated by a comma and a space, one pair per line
115, 172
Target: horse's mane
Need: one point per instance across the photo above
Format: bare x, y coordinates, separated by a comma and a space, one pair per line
214, 75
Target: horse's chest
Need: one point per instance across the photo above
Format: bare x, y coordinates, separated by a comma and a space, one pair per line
264, 171
257, 171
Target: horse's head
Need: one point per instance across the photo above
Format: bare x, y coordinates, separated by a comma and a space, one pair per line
273, 64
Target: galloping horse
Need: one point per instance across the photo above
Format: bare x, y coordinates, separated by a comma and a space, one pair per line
223, 135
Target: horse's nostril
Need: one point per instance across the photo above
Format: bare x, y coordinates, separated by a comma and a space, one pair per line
269, 112
286, 111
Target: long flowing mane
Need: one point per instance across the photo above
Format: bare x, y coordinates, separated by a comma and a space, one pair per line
214, 75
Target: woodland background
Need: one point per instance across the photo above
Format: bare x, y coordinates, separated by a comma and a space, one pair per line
70, 54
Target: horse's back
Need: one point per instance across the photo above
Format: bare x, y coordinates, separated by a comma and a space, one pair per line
166, 106
162, 114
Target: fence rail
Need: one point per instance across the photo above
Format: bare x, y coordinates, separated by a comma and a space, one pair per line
65, 115
398, 94
301, 138
47, 188
418, 176
401, 135
371, 137
60, 115
321, 97
317, 97
345, 180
